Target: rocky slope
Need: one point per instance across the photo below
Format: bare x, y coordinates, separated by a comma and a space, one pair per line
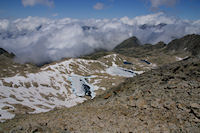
29, 89
165, 98
161, 100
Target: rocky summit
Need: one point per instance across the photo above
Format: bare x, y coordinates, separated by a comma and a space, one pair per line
134, 88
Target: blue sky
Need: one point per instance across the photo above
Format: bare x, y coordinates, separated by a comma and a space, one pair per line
84, 9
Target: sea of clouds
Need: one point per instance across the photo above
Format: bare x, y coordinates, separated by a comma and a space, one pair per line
39, 40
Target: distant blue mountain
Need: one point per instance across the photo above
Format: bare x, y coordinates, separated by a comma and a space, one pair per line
147, 26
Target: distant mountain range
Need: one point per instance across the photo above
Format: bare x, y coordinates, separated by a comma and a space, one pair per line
86, 28
147, 26
15, 34
133, 47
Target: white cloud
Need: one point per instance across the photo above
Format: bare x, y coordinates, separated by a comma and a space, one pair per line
40, 40
98, 6
4, 24
157, 3
49, 3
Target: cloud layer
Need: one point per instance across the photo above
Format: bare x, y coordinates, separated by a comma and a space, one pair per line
41, 40
49, 3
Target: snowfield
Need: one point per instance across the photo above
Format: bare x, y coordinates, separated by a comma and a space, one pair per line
62, 84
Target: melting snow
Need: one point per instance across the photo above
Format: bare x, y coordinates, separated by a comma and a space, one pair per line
78, 86
118, 71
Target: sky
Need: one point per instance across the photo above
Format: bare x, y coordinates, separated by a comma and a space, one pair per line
40, 31
85, 9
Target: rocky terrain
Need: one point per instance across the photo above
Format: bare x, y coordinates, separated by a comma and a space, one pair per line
25, 88
144, 88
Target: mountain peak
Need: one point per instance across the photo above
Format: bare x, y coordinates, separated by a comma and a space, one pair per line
6, 53
2, 51
129, 43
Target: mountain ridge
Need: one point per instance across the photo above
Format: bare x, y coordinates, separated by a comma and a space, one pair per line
190, 43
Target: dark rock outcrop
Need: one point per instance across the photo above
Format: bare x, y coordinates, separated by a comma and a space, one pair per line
189, 43
2, 51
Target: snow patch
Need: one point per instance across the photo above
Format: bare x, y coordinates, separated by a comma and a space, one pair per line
118, 71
